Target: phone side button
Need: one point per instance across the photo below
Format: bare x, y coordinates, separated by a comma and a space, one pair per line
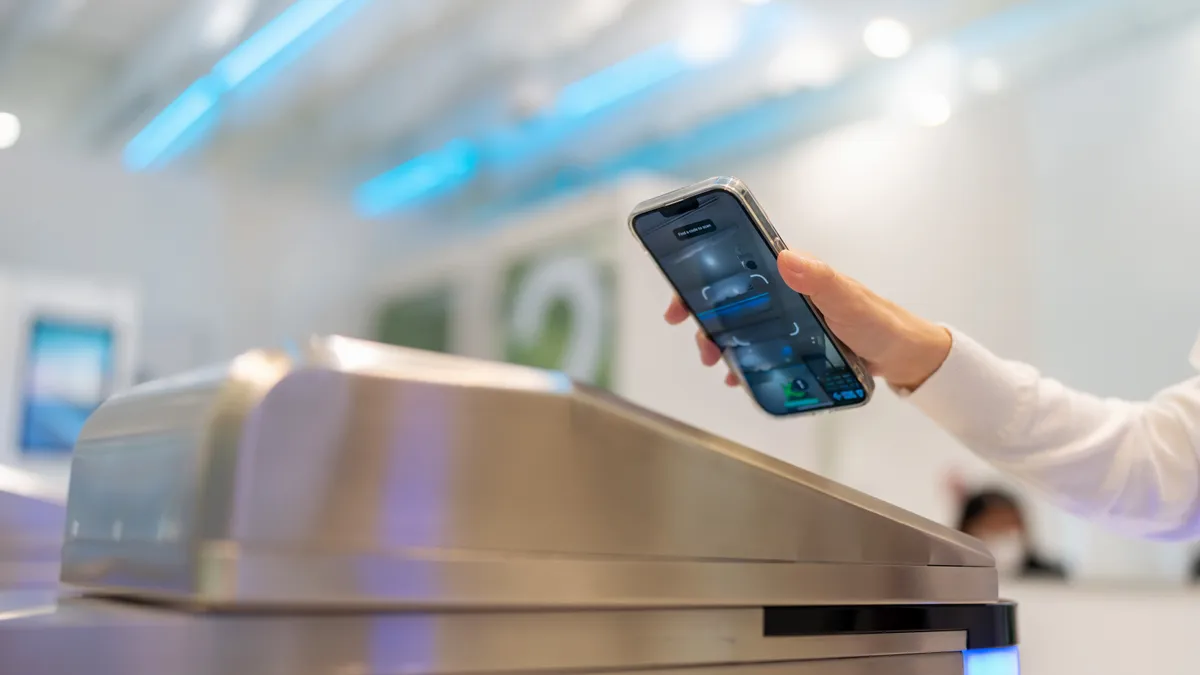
779, 245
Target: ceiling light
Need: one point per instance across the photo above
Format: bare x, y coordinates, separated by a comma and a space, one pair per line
420, 178
10, 130
887, 38
709, 37
226, 22
929, 109
800, 66
985, 75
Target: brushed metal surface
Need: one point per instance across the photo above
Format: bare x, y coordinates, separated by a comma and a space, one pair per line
357, 475
31, 535
916, 664
38, 634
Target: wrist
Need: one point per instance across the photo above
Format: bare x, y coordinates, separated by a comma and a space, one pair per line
921, 350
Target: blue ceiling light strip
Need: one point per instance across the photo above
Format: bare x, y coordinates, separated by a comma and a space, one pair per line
295, 28
578, 105
184, 121
620, 81
424, 177
582, 101
1001, 661
164, 136
439, 172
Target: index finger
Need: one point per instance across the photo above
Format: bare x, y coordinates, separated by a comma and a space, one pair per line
676, 313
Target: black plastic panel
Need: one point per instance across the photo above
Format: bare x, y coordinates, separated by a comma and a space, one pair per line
987, 626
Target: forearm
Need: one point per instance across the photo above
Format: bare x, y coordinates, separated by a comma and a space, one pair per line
1133, 465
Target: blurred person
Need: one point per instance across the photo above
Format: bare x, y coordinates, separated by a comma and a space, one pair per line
995, 518
1131, 465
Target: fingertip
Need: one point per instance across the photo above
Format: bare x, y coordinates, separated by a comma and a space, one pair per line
710, 353
791, 261
676, 313
804, 274
731, 379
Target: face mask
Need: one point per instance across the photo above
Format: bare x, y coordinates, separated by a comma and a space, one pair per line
1009, 551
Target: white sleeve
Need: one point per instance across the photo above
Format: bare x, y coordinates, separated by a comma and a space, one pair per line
1132, 466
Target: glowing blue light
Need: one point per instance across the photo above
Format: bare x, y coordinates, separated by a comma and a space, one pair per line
580, 102
172, 124
620, 81
184, 121
1001, 661
420, 178
272, 39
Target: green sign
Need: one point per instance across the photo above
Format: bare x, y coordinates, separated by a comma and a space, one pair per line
421, 321
558, 309
553, 308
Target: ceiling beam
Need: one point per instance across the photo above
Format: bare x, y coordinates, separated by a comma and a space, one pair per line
30, 19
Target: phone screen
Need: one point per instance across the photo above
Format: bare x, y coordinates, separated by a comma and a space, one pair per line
725, 272
68, 374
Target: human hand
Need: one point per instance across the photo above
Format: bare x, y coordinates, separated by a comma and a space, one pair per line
897, 345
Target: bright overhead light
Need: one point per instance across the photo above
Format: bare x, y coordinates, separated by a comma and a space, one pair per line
800, 66
985, 75
226, 22
10, 130
709, 37
929, 109
887, 38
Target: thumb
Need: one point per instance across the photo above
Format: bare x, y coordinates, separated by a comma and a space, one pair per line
811, 277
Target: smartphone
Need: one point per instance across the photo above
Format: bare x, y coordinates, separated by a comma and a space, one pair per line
715, 245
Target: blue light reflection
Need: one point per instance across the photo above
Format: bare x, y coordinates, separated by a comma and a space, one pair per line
1000, 661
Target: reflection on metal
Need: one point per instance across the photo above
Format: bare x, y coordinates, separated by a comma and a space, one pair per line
464, 516
31, 531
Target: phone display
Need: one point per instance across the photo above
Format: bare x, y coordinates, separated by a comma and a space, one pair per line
68, 374
723, 268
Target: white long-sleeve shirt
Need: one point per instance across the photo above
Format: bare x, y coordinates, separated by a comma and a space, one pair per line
1134, 466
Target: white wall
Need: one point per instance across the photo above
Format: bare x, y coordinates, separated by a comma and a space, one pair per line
220, 267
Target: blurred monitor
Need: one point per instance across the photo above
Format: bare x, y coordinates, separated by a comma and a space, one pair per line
68, 373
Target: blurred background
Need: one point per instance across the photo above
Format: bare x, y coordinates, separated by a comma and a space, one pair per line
181, 180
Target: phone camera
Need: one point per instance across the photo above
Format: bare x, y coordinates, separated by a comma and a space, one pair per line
750, 265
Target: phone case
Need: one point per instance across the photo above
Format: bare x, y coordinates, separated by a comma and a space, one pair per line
758, 217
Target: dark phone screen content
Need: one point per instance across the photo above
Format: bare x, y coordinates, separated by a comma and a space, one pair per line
727, 275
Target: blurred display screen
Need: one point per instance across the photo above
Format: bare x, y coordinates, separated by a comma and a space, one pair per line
68, 373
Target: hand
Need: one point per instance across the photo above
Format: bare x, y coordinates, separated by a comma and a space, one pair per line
897, 345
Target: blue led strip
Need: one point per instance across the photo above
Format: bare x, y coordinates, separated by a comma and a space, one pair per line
999, 661
579, 104
423, 177
185, 120
441, 171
